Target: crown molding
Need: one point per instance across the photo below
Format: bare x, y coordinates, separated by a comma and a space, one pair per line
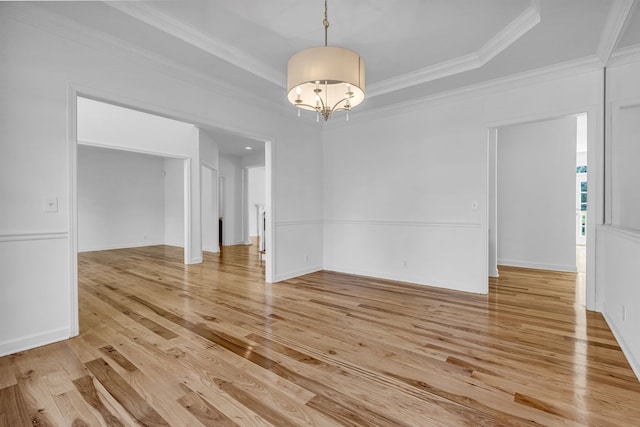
498, 43
539, 75
216, 47
625, 55
613, 28
219, 48
50, 22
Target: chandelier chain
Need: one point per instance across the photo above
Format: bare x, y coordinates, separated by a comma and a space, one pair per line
325, 22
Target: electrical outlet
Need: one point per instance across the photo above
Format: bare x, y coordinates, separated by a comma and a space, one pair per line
306, 258
404, 263
474, 205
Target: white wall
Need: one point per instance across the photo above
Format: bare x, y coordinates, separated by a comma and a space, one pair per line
581, 158
174, 202
399, 186
536, 194
492, 219
45, 61
232, 213
209, 157
210, 217
255, 196
625, 173
108, 125
120, 199
618, 241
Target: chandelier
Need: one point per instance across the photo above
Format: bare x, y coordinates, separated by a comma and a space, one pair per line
325, 79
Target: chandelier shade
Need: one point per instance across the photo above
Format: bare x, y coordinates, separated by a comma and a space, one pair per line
326, 79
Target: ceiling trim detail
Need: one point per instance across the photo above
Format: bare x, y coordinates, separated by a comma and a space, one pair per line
30, 14
498, 43
200, 40
613, 27
539, 75
502, 40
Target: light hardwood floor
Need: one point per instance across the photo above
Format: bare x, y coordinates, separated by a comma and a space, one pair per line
166, 344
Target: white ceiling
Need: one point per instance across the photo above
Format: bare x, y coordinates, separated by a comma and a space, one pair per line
235, 145
412, 48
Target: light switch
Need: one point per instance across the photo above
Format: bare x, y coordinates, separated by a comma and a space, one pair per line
51, 204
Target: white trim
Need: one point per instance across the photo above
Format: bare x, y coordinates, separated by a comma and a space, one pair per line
216, 202
404, 223
625, 55
615, 23
216, 47
244, 203
550, 115
294, 223
22, 237
626, 348
485, 88
537, 265
128, 148
595, 195
223, 50
34, 340
189, 257
484, 219
122, 246
297, 273
499, 42
623, 232
415, 280
70, 30
270, 148
72, 141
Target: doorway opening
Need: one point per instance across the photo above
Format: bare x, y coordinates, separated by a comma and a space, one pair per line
581, 204
534, 219
177, 142
211, 202
255, 209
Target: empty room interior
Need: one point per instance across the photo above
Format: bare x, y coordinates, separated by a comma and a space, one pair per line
322, 212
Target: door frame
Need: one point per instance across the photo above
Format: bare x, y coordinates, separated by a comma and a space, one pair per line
76, 90
595, 177
216, 201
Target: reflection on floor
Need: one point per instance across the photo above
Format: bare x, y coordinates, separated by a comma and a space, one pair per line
581, 278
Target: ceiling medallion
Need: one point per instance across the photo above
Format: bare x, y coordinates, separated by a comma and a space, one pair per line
325, 79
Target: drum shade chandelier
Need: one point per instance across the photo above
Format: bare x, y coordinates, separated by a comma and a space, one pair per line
325, 79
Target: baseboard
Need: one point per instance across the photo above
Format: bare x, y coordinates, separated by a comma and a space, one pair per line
32, 341
423, 281
122, 246
626, 349
293, 274
538, 265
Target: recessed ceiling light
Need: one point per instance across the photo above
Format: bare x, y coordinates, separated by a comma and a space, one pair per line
248, 148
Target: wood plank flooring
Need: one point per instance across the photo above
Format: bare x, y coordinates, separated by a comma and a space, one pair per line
162, 343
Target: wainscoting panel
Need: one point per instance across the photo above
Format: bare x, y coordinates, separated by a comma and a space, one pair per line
617, 276
300, 248
34, 272
448, 255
